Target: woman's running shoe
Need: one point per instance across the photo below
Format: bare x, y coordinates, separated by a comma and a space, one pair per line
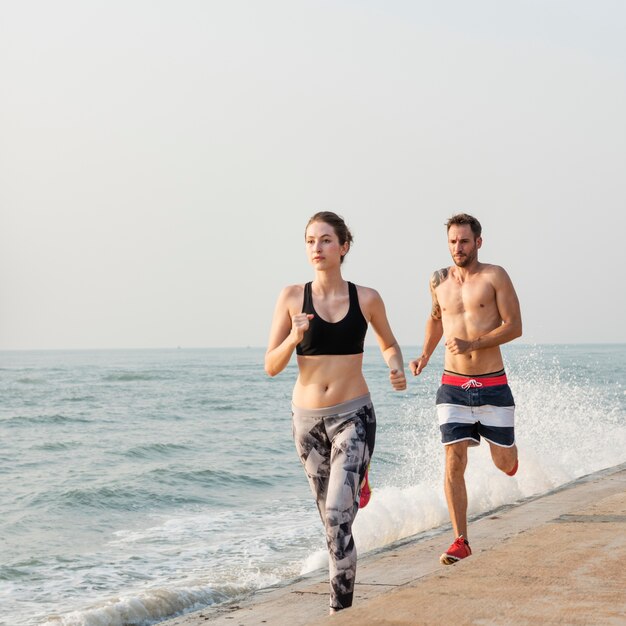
366, 490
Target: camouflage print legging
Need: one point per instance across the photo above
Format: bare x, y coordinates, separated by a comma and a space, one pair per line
335, 445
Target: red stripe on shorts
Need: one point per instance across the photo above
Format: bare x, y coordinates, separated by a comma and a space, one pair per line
481, 381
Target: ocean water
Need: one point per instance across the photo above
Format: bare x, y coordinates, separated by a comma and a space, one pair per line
138, 485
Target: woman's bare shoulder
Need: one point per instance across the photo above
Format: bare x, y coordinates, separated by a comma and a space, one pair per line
292, 294
367, 295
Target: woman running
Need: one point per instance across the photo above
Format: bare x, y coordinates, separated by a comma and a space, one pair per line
334, 423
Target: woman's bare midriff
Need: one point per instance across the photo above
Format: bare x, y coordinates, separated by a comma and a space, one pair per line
326, 380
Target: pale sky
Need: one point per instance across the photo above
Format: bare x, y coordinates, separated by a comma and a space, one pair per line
159, 161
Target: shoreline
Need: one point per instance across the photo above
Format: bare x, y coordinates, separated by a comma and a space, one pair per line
550, 558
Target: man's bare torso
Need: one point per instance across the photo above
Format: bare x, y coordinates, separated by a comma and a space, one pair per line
468, 308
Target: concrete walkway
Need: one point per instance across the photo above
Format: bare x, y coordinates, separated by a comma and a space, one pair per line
559, 558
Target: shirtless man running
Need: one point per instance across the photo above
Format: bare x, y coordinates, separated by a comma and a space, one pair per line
475, 306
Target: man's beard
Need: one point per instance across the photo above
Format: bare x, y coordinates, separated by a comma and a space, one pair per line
465, 260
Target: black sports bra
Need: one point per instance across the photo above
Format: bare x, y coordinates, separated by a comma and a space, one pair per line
343, 337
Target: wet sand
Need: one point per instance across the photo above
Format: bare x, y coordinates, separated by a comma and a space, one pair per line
558, 558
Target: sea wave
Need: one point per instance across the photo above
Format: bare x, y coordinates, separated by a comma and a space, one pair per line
218, 404
146, 608
45, 419
79, 399
221, 478
57, 446
31, 381
114, 498
133, 376
154, 450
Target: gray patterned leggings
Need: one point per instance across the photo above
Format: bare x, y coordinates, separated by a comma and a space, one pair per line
335, 445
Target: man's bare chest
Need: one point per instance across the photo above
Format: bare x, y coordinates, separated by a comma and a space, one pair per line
468, 297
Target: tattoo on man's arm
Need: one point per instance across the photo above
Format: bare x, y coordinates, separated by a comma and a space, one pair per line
438, 277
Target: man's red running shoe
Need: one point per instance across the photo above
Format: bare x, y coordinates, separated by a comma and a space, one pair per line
457, 551
514, 470
366, 490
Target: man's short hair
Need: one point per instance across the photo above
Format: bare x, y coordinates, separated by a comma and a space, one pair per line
461, 219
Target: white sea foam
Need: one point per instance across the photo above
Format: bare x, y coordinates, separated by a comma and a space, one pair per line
144, 609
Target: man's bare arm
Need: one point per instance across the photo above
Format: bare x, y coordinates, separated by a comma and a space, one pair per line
438, 277
434, 325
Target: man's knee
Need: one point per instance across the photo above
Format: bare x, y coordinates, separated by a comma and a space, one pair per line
456, 459
504, 458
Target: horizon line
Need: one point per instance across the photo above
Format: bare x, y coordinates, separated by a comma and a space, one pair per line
259, 347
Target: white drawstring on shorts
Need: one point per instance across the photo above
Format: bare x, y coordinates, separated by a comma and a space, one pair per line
472, 382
